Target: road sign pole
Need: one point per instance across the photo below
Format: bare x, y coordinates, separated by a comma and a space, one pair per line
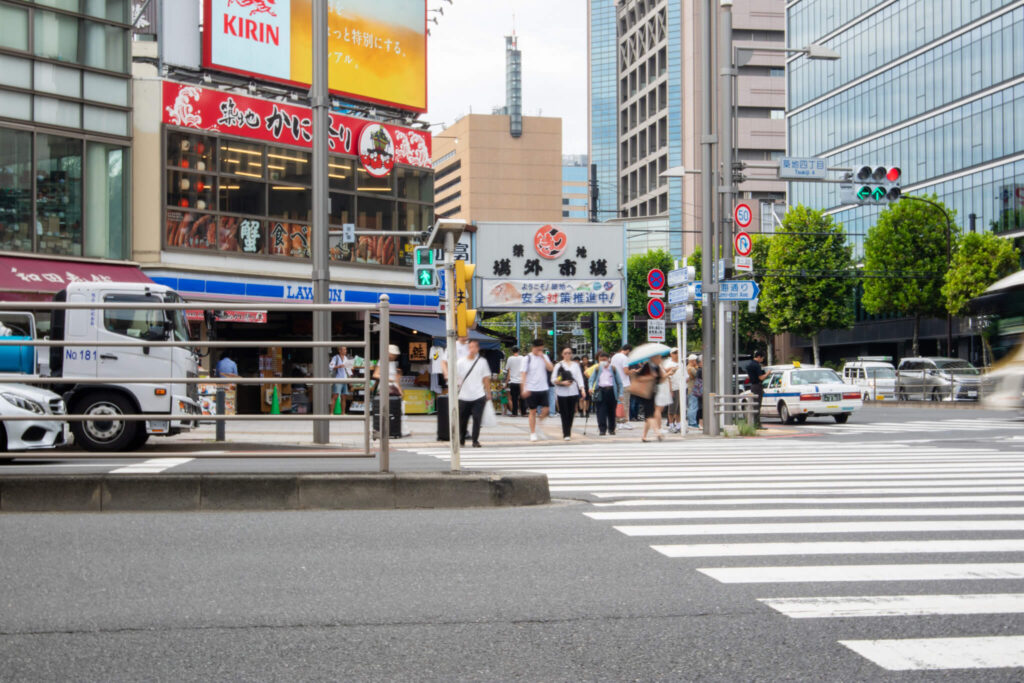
707, 183
453, 358
681, 350
726, 77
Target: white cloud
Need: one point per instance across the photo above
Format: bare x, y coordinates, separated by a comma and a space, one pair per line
466, 68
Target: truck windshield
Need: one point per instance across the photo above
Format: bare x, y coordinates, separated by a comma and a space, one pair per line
178, 317
881, 373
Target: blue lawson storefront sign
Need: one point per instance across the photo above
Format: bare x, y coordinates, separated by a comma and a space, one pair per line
289, 291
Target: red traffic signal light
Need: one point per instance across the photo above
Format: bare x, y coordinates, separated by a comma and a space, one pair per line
894, 174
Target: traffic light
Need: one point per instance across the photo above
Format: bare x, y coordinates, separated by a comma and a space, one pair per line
465, 317
423, 268
873, 185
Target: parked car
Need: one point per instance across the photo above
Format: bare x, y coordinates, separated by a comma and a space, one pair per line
875, 377
22, 400
937, 379
795, 392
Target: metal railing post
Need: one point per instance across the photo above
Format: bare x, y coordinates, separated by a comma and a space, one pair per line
385, 382
221, 409
367, 383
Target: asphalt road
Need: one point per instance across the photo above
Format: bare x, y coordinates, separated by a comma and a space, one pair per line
717, 560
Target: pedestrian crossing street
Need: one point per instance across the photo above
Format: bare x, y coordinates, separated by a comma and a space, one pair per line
885, 531
853, 427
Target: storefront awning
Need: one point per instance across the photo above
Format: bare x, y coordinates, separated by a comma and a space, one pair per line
32, 279
436, 329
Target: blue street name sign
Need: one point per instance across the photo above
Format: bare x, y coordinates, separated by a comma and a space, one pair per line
738, 290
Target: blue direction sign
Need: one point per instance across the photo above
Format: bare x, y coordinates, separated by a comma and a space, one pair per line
738, 290
680, 295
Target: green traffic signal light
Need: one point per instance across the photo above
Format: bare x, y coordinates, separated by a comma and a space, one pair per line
878, 194
425, 277
864, 192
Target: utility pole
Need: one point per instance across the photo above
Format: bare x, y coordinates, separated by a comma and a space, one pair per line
726, 187
707, 219
320, 100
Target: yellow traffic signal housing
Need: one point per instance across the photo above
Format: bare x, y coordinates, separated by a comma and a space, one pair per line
465, 317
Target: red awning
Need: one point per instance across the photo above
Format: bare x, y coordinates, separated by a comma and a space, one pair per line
33, 279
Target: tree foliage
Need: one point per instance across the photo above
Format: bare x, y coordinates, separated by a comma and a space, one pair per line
810, 264
636, 293
755, 328
980, 260
905, 261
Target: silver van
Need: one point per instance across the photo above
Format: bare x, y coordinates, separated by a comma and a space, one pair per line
937, 379
874, 375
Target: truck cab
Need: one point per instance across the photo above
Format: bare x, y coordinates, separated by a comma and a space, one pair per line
83, 357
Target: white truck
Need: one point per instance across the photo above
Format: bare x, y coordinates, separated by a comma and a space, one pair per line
84, 358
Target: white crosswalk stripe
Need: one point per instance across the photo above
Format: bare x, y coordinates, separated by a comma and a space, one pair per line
785, 501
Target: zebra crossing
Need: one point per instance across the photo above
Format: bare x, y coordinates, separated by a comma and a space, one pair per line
773, 516
854, 428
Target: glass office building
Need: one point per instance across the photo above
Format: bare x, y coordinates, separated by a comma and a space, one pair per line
65, 105
601, 39
935, 87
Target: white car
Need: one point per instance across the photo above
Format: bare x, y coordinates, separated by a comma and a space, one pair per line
795, 392
876, 378
23, 400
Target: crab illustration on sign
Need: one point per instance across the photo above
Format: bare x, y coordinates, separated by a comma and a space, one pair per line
550, 242
376, 150
256, 6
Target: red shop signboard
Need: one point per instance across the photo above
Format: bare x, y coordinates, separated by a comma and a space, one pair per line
379, 146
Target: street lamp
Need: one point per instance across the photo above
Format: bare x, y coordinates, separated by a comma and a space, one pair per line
812, 51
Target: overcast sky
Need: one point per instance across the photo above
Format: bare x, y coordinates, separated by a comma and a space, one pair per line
467, 61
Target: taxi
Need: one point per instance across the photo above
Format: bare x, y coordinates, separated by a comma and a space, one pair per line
795, 392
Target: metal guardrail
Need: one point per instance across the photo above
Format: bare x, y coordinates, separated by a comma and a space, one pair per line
726, 405
319, 414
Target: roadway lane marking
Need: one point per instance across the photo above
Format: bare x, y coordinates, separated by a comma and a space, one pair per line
904, 547
866, 572
722, 499
768, 513
923, 654
791, 484
153, 466
655, 502
897, 605
819, 528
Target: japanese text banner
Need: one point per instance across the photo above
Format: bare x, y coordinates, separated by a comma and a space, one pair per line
191, 106
521, 295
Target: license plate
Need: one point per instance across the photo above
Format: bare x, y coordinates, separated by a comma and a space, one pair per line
831, 397
880, 397
972, 394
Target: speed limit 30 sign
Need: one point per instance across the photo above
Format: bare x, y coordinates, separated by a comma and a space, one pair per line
743, 215
744, 245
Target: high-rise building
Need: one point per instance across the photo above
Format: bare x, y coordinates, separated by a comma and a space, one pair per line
514, 85
575, 190
601, 104
657, 109
935, 87
482, 173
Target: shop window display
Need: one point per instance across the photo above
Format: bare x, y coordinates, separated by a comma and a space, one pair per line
59, 195
236, 196
16, 191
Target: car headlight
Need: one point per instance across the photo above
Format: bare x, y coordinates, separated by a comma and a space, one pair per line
24, 403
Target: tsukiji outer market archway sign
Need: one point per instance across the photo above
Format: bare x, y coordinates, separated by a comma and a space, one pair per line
550, 266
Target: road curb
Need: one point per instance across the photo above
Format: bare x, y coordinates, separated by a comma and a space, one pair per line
215, 492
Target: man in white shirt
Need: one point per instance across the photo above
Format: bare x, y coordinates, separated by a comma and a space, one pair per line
461, 348
620, 361
474, 390
534, 380
514, 377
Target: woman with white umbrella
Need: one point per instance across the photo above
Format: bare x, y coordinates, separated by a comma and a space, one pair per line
646, 382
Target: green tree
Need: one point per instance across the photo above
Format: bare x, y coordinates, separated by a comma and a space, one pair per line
979, 260
636, 292
905, 262
809, 263
755, 328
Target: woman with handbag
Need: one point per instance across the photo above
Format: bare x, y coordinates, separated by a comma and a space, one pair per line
606, 388
644, 386
568, 380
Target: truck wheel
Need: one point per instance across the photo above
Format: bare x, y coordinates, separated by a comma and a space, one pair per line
140, 438
842, 419
109, 434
